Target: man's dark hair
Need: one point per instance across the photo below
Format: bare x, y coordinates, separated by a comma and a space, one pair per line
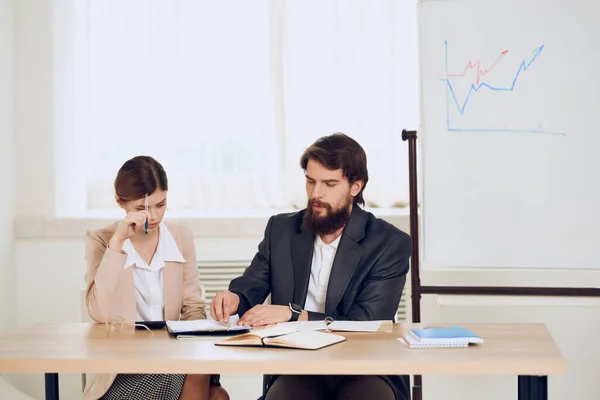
339, 151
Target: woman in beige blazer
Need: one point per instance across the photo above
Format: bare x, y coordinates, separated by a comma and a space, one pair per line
134, 274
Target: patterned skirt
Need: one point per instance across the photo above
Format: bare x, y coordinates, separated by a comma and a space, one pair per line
149, 386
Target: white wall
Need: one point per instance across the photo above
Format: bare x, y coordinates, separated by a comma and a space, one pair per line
34, 108
7, 161
7, 175
47, 266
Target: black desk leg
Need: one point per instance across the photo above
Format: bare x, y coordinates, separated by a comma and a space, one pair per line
417, 388
51, 386
533, 387
416, 393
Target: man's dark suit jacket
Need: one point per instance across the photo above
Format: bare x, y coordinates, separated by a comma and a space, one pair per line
366, 281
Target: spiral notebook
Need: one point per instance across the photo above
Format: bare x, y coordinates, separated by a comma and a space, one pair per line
453, 336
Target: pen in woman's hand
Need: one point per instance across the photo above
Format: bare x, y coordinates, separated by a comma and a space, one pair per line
146, 208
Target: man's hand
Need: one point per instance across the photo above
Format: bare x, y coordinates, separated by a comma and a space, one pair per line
223, 305
265, 315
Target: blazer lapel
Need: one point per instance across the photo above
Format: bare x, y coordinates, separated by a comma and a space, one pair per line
347, 258
302, 249
172, 273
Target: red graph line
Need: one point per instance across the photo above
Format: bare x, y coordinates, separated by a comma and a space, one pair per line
480, 72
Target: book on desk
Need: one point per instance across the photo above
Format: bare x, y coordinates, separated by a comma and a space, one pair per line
452, 336
284, 336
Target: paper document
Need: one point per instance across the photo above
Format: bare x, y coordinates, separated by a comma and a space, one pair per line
305, 325
340, 326
355, 326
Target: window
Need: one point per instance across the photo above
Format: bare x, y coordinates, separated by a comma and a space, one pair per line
228, 96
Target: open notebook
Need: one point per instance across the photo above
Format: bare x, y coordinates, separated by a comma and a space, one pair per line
453, 336
284, 336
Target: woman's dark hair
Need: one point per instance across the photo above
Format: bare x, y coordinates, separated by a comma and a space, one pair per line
140, 176
339, 151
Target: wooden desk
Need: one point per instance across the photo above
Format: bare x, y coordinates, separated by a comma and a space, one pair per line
525, 350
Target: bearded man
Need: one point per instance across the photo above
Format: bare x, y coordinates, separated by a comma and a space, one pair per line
332, 259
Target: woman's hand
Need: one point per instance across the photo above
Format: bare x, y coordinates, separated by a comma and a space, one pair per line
127, 228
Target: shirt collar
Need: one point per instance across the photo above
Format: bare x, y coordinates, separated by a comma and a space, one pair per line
170, 249
319, 242
167, 250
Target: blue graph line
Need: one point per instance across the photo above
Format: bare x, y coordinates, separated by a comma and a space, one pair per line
474, 88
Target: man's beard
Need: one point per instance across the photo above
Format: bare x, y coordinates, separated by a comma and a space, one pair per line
328, 224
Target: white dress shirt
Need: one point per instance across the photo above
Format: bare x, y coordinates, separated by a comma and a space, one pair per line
148, 278
322, 261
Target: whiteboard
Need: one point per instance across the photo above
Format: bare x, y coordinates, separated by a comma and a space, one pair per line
510, 133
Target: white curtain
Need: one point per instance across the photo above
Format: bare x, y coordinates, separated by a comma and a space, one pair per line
227, 95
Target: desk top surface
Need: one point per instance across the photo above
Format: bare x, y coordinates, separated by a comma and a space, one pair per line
510, 349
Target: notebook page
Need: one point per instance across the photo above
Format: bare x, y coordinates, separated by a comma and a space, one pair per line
355, 326
310, 339
274, 331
